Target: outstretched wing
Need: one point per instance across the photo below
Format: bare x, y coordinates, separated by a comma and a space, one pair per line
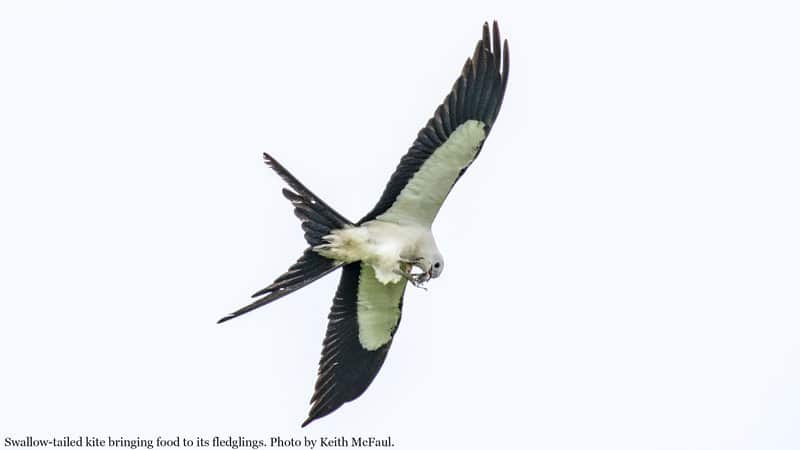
451, 140
362, 322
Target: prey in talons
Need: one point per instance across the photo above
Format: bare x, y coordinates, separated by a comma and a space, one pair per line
417, 279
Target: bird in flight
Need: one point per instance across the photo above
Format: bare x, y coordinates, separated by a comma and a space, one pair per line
393, 244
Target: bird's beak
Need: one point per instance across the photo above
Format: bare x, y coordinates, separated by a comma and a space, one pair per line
429, 273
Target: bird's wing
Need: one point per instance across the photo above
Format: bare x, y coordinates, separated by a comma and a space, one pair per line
451, 140
362, 322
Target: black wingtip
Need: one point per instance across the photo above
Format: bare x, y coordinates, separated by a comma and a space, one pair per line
306, 422
506, 63
496, 40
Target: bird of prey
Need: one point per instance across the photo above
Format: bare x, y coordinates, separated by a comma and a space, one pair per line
392, 245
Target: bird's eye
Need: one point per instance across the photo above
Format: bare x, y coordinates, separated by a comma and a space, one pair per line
437, 265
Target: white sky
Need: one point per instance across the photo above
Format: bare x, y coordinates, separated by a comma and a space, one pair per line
622, 260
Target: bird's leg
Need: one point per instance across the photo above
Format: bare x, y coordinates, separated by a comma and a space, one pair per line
416, 279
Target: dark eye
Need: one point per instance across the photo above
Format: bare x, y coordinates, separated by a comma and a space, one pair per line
437, 265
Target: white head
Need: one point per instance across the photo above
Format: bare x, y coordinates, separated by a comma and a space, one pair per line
432, 262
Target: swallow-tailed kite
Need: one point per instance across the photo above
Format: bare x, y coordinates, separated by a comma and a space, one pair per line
379, 253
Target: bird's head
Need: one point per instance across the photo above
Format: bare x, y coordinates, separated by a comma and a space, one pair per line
435, 266
429, 260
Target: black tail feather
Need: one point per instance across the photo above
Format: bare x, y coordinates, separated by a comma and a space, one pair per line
309, 268
318, 220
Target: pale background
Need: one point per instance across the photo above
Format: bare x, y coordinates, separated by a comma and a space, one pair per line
622, 260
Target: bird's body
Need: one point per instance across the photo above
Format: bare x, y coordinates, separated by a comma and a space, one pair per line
378, 254
386, 246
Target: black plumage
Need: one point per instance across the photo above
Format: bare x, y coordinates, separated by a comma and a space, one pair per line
346, 367
317, 220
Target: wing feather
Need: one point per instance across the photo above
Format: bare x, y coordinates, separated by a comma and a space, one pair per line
476, 96
346, 367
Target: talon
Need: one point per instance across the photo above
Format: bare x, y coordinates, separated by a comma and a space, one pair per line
420, 280
406, 275
416, 280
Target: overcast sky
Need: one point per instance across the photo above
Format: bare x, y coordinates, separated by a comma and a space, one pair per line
622, 259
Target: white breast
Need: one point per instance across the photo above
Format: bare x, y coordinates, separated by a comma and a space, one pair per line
378, 243
387, 244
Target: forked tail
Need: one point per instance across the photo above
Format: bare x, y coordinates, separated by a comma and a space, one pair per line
318, 220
